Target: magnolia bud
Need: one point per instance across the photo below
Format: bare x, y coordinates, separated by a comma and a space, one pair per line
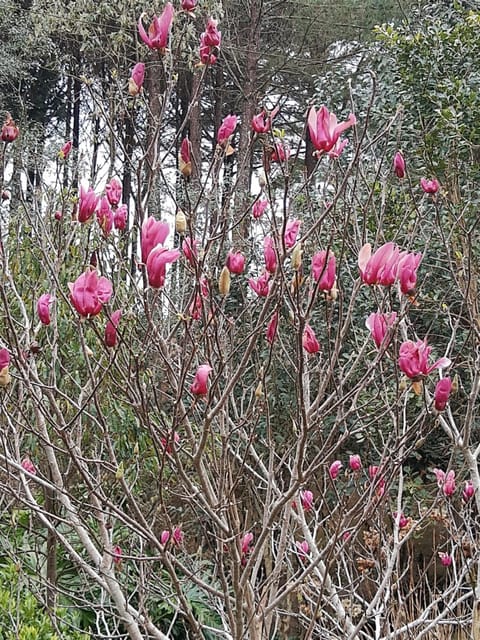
455, 383
224, 282
297, 257
259, 390
332, 295
5, 377
417, 387
185, 168
297, 282
180, 222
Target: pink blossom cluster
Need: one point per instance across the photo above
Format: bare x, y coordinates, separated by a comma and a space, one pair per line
109, 212
389, 265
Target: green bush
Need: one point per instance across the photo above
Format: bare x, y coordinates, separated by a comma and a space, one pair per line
22, 617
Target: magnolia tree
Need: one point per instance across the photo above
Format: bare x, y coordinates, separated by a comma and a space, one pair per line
221, 440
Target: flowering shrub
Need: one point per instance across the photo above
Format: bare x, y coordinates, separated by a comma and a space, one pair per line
208, 408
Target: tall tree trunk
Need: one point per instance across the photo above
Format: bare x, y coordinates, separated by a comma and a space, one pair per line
155, 86
76, 123
250, 99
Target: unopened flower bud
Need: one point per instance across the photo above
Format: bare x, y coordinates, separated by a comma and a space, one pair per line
455, 383
259, 390
5, 377
180, 222
332, 295
297, 257
224, 282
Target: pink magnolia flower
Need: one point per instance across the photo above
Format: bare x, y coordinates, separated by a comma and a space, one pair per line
189, 5
334, 469
157, 260
105, 216
429, 186
445, 481
309, 340
258, 208
260, 285
169, 442
159, 29
58, 215
272, 328
228, 126
323, 270
262, 123
120, 217
291, 231
440, 476
10, 131
269, 254
379, 324
381, 267
195, 309
373, 474
65, 150
235, 262
442, 393
177, 536
153, 233
43, 308
402, 520
207, 55
200, 382
325, 130
28, 465
204, 287
185, 150
190, 249
373, 471
89, 293
407, 266
136, 80
413, 359
445, 558
469, 491
355, 462
117, 554
4, 359
114, 191
184, 158
87, 203
111, 329
303, 549
399, 165
245, 543
449, 486
280, 152
164, 537
306, 498
212, 36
